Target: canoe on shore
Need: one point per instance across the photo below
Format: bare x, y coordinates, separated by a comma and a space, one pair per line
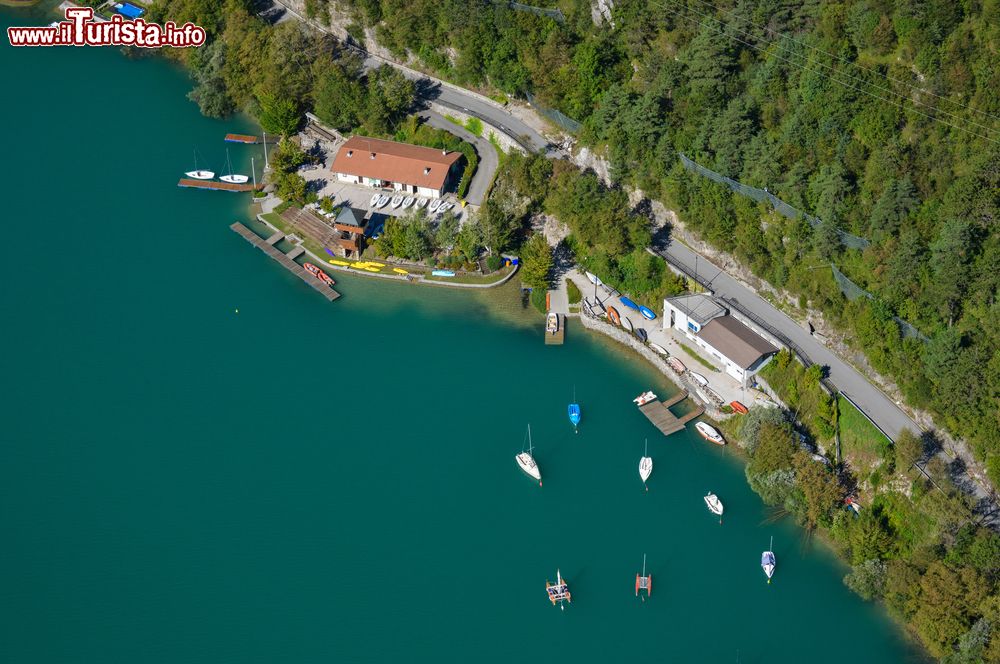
647, 313
628, 303
641, 333
738, 407
613, 316
659, 349
698, 378
676, 365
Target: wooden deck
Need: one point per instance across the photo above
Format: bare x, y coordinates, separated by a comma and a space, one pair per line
247, 139
285, 260
559, 337
217, 186
658, 412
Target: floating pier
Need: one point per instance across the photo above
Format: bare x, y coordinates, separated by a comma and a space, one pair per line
285, 259
658, 412
218, 186
559, 337
247, 139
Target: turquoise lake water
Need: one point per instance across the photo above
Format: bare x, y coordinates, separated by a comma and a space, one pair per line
305, 481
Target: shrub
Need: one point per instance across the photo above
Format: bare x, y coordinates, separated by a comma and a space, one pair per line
867, 579
493, 262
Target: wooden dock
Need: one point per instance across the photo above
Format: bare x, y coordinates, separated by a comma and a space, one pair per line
285, 260
559, 337
247, 139
658, 412
217, 186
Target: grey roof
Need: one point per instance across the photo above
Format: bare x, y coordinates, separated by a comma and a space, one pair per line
348, 216
736, 341
699, 307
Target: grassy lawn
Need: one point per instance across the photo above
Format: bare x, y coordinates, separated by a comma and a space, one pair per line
573, 292
473, 278
697, 358
859, 440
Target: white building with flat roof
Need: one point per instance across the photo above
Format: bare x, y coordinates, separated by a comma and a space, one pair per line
704, 321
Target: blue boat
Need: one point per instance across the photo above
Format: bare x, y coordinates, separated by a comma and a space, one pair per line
574, 412
647, 313
629, 303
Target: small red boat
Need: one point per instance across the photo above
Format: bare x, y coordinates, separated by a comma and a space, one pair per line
738, 407
613, 315
318, 273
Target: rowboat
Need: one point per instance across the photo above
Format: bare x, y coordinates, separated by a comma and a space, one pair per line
767, 561
714, 505
641, 333
709, 433
698, 378
628, 303
627, 324
647, 313
658, 348
676, 365
738, 407
613, 315
644, 398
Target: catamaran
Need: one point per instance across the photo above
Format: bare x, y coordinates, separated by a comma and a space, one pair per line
714, 505
644, 581
574, 412
231, 177
767, 561
199, 174
527, 462
558, 592
645, 465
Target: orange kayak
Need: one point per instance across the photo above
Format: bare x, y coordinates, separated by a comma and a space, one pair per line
613, 315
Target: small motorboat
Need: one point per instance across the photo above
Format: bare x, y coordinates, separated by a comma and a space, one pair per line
738, 407
434, 205
318, 273
442, 273
396, 202
767, 561
641, 333
644, 398
626, 323
374, 199
698, 378
644, 581
558, 592
659, 349
552, 323
676, 365
709, 433
593, 279
647, 313
645, 465
574, 412
714, 505
382, 200
527, 462
613, 316
407, 202
628, 303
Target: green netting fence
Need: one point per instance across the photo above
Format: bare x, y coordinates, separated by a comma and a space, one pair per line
780, 206
558, 118
853, 292
554, 14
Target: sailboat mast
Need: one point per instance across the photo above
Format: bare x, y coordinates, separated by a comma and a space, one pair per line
265, 150
530, 448
253, 171
644, 565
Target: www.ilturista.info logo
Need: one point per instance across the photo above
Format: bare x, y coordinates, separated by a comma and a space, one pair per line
80, 29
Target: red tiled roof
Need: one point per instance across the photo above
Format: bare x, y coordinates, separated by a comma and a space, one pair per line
395, 162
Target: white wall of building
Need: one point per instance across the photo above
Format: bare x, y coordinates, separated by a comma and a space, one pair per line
396, 186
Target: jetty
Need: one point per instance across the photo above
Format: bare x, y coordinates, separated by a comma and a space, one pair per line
658, 412
559, 337
217, 186
287, 260
247, 139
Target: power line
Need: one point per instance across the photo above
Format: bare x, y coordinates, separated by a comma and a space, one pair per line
855, 64
832, 78
843, 73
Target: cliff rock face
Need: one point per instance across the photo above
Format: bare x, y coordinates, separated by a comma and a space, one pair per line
600, 11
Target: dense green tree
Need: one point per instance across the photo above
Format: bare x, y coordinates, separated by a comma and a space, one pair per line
536, 256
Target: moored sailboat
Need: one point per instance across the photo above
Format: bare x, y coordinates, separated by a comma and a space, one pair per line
644, 581
230, 177
574, 413
558, 592
709, 433
527, 462
199, 174
767, 561
645, 466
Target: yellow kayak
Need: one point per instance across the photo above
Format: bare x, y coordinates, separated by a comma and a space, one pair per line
374, 264
372, 269
399, 271
340, 263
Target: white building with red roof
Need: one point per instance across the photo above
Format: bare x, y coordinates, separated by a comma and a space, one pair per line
409, 169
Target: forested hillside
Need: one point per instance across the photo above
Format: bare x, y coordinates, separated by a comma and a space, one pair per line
880, 118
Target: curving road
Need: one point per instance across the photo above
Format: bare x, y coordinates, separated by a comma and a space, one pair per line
488, 160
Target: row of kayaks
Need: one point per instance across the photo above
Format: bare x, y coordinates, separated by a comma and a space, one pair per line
402, 202
646, 312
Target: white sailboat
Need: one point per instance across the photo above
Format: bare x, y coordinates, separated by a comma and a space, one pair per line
230, 177
396, 202
407, 202
197, 173
374, 199
421, 203
382, 200
767, 561
527, 462
645, 465
714, 505
434, 205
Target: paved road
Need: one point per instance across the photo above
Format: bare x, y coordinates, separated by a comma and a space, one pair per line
488, 160
843, 376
